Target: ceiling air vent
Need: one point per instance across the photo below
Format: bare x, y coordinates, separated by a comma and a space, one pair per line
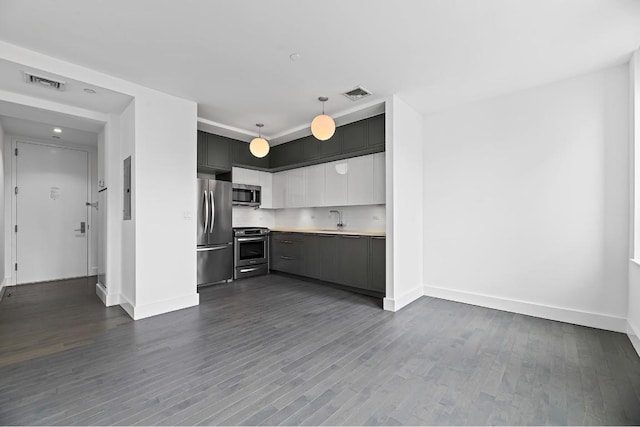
357, 93
37, 80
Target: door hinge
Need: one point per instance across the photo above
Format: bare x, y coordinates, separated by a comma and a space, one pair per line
16, 228
16, 190
16, 266
16, 151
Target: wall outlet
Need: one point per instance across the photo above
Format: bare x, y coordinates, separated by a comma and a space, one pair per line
376, 218
186, 215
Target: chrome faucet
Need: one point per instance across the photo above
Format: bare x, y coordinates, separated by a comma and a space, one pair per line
340, 223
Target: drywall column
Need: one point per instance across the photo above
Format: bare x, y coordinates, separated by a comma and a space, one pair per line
404, 204
164, 165
3, 248
633, 300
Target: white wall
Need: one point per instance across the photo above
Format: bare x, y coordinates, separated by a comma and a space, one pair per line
633, 305
3, 246
526, 201
365, 217
404, 211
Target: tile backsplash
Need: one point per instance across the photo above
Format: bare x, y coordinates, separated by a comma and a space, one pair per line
245, 216
366, 217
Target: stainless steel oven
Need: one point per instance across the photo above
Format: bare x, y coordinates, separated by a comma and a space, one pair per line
251, 251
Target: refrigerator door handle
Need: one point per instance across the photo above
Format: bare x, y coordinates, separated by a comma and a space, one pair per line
213, 211
206, 212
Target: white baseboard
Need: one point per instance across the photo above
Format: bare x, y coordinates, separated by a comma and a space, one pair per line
107, 298
583, 318
138, 312
395, 304
127, 306
633, 337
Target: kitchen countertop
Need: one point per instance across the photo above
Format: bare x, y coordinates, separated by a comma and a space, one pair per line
327, 231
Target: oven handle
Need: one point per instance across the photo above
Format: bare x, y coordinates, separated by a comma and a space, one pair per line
247, 270
251, 239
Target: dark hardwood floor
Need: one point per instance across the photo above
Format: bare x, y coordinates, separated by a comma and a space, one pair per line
277, 350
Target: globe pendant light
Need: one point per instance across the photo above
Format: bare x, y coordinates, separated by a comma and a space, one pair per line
323, 127
259, 146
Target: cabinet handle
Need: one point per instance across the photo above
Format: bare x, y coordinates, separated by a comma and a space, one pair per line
350, 237
378, 237
286, 242
288, 258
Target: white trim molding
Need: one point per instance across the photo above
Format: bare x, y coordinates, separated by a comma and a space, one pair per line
576, 317
159, 307
633, 337
395, 304
107, 299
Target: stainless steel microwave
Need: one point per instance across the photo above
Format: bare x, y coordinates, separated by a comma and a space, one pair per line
246, 195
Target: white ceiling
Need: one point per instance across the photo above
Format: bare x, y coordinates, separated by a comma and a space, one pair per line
43, 131
31, 122
105, 101
232, 57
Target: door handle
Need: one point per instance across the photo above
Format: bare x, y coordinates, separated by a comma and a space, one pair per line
206, 211
83, 227
213, 211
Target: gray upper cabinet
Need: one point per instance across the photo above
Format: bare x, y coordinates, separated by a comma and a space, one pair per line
354, 136
287, 154
218, 153
377, 264
214, 152
242, 157
376, 136
353, 261
314, 149
202, 142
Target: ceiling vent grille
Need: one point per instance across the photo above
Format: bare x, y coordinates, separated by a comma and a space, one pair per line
357, 93
37, 80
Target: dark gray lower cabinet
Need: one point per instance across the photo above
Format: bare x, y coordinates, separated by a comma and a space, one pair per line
353, 261
377, 264
286, 252
349, 260
320, 257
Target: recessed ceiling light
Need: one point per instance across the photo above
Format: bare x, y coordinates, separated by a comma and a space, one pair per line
294, 56
89, 90
57, 130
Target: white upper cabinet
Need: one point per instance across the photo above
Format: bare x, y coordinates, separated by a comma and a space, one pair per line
295, 188
379, 179
354, 181
360, 180
335, 183
315, 191
267, 189
279, 190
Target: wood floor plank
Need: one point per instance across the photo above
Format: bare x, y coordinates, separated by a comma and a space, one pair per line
277, 350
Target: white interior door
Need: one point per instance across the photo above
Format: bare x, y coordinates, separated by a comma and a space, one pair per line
53, 188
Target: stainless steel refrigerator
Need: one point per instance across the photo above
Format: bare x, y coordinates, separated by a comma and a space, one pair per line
215, 235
